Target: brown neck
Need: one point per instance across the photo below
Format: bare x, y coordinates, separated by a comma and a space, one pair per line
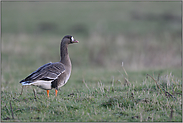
64, 55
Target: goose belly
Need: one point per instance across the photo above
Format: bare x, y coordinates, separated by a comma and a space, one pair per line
42, 84
64, 81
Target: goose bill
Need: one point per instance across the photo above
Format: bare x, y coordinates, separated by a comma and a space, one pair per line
75, 41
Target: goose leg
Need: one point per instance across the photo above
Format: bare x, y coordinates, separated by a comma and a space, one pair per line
22, 90
47, 92
56, 92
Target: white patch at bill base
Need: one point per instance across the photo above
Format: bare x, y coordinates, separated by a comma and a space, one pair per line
72, 38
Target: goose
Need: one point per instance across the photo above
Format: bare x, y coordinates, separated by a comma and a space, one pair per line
53, 75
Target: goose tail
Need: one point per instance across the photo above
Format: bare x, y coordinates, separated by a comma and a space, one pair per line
25, 82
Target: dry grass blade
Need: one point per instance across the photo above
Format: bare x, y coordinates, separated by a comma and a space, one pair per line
126, 79
174, 81
168, 94
156, 82
127, 82
86, 84
158, 76
171, 113
11, 110
124, 68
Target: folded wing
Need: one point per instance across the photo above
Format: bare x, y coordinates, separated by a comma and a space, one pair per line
48, 72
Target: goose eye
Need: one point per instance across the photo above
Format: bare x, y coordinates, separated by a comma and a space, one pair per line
72, 38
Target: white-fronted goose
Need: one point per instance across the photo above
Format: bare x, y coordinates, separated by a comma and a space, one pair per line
53, 75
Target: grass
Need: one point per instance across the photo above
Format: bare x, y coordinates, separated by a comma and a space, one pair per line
98, 96
145, 36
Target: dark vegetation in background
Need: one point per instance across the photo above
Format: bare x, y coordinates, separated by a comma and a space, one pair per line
141, 34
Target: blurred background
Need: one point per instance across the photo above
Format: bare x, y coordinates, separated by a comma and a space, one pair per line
142, 35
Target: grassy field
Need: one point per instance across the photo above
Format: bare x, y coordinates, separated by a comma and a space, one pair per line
102, 96
92, 93
145, 36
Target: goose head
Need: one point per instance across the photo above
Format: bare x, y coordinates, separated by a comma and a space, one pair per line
68, 39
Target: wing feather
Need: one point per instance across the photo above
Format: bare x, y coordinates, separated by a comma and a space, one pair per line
49, 71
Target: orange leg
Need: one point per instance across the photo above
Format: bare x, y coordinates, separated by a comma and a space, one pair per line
56, 92
47, 92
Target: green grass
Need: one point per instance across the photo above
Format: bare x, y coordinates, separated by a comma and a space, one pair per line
97, 95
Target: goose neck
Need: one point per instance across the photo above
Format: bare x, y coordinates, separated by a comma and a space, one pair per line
64, 54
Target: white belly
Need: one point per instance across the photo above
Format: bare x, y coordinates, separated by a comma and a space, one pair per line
42, 84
